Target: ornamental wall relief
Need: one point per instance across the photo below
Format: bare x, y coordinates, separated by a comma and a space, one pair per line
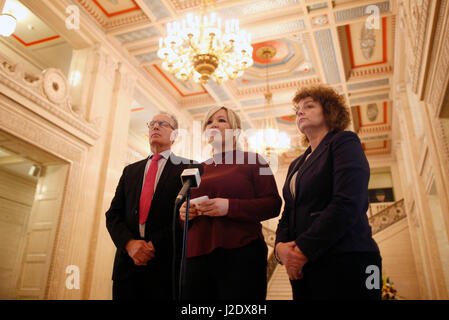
55, 86
48, 91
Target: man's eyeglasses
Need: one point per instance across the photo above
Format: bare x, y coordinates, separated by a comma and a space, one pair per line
164, 124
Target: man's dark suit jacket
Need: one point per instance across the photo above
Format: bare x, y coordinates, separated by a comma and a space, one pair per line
122, 219
328, 215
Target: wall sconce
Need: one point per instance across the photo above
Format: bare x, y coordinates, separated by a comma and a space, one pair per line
13, 12
7, 24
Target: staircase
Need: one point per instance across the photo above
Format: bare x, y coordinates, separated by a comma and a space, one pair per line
279, 286
387, 217
278, 283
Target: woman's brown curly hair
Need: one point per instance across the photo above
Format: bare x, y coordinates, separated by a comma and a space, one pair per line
335, 112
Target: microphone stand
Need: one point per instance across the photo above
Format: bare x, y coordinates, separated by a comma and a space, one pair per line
182, 271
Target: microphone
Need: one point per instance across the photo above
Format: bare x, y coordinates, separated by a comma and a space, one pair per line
190, 178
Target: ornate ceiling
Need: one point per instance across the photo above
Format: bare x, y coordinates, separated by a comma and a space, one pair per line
315, 41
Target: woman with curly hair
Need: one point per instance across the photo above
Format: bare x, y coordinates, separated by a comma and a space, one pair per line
323, 237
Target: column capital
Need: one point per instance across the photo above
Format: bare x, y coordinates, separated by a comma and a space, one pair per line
400, 87
127, 79
106, 64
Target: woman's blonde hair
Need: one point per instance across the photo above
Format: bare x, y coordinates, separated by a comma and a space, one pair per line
234, 119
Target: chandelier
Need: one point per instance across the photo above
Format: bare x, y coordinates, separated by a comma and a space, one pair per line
199, 48
269, 140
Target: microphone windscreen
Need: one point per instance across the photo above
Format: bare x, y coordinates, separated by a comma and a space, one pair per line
199, 166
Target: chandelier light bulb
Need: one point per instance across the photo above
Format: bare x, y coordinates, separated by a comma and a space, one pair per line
199, 48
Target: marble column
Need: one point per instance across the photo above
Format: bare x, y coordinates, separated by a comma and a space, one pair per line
114, 158
432, 263
99, 103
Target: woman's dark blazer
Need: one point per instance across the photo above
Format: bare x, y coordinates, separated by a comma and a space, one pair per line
329, 213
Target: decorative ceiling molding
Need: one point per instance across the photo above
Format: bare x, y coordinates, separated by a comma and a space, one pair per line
316, 6
370, 131
196, 101
218, 92
201, 110
182, 89
358, 67
275, 29
377, 97
368, 138
149, 32
36, 42
319, 21
371, 71
157, 8
377, 147
372, 38
278, 87
357, 12
147, 58
181, 5
368, 84
115, 21
380, 118
328, 55
116, 13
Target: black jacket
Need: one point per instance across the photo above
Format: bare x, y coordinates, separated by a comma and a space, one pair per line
122, 218
329, 212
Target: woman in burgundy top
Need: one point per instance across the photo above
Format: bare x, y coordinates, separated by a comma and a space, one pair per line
226, 252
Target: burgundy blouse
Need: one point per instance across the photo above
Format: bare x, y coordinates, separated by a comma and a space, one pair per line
253, 197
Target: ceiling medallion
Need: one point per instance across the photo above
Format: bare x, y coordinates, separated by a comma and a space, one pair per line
367, 42
372, 111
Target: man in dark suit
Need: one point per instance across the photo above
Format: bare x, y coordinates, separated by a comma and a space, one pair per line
140, 218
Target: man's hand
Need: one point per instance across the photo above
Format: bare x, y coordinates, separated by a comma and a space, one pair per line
217, 207
294, 273
292, 258
140, 251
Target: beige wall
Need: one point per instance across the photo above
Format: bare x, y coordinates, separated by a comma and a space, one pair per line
398, 260
380, 180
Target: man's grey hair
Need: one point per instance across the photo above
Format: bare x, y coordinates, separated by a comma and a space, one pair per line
172, 116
